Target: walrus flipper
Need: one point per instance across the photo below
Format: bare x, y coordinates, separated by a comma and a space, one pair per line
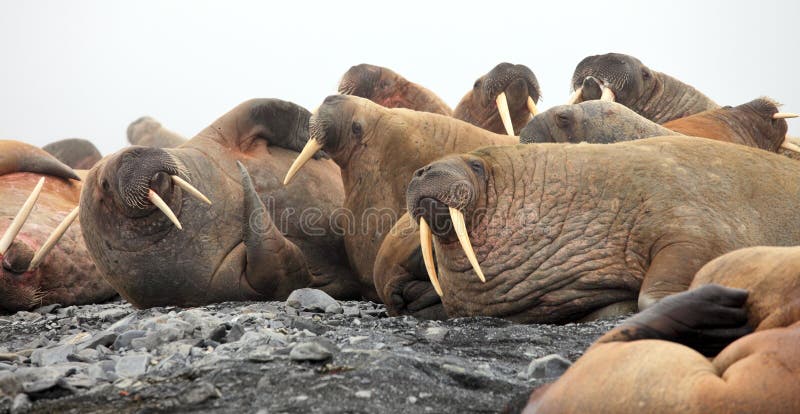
275, 266
20, 157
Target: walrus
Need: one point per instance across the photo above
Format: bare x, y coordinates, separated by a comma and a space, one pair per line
76, 153
756, 124
209, 221
44, 259
387, 88
378, 149
654, 362
148, 132
552, 233
502, 100
624, 79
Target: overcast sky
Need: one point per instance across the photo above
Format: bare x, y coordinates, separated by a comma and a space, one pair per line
88, 68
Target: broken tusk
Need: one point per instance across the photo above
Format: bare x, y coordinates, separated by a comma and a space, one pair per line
576, 96
502, 107
608, 95
784, 115
532, 106
20, 218
311, 148
426, 242
158, 202
53, 239
463, 237
180, 182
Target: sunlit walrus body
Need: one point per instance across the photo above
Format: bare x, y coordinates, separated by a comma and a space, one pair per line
31, 274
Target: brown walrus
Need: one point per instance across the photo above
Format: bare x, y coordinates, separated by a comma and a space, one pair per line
562, 232
387, 88
654, 362
77, 153
378, 150
148, 132
624, 79
256, 240
502, 100
44, 259
756, 124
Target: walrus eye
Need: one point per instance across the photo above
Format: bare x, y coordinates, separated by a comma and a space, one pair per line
563, 120
357, 129
477, 167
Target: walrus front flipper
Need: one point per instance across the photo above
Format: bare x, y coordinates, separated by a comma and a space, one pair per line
275, 266
705, 319
20, 157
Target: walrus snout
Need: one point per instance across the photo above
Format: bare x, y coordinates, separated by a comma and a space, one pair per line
361, 80
139, 171
18, 257
621, 77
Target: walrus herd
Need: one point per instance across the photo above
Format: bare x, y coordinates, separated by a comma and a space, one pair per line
641, 194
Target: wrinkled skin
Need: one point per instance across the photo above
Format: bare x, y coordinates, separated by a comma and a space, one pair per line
653, 95
148, 132
647, 365
67, 275
598, 122
378, 150
75, 152
387, 88
247, 245
479, 108
564, 232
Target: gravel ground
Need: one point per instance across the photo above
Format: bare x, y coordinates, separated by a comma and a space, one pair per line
308, 354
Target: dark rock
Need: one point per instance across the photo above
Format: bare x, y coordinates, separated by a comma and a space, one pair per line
313, 300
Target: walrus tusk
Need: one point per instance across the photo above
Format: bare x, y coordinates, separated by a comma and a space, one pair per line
576, 96
180, 182
158, 202
311, 148
426, 241
608, 95
502, 107
463, 237
53, 239
532, 106
784, 115
791, 146
20, 218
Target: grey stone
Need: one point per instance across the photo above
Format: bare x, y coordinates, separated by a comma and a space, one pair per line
123, 324
124, 339
364, 394
550, 366
51, 356
105, 338
112, 314
28, 316
313, 300
310, 351
40, 379
131, 366
435, 333
103, 371
198, 393
10, 385
42, 310
21, 404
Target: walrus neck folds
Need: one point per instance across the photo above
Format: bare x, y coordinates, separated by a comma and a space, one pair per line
671, 99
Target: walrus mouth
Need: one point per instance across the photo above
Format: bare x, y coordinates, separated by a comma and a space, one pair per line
505, 114
607, 93
20, 219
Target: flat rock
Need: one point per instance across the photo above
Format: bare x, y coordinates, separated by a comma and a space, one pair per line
132, 366
313, 300
550, 366
51, 356
310, 351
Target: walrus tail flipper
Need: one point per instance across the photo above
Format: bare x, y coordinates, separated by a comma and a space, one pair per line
275, 266
20, 157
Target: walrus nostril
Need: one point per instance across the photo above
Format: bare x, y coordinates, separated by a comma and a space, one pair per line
161, 183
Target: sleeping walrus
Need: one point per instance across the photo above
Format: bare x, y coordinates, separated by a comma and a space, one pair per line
378, 149
148, 132
654, 362
229, 230
755, 124
624, 79
561, 232
387, 88
44, 259
77, 153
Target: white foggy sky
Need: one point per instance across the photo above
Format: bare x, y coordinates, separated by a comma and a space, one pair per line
88, 68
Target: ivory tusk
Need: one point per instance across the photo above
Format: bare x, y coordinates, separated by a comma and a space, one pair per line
21, 217
532, 106
502, 107
158, 202
576, 96
784, 115
311, 148
608, 95
457, 218
53, 239
426, 242
791, 146
180, 182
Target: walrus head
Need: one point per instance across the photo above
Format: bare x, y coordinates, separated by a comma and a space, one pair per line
372, 82
148, 132
507, 94
74, 152
613, 76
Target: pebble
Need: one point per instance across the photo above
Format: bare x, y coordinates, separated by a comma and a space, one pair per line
131, 366
550, 366
364, 394
310, 351
313, 300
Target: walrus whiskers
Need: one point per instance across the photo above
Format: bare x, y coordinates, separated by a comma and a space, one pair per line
575, 97
608, 95
784, 115
426, 242
457, 218
502, 107
158, 202
180, 182
21, 217
53, 239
